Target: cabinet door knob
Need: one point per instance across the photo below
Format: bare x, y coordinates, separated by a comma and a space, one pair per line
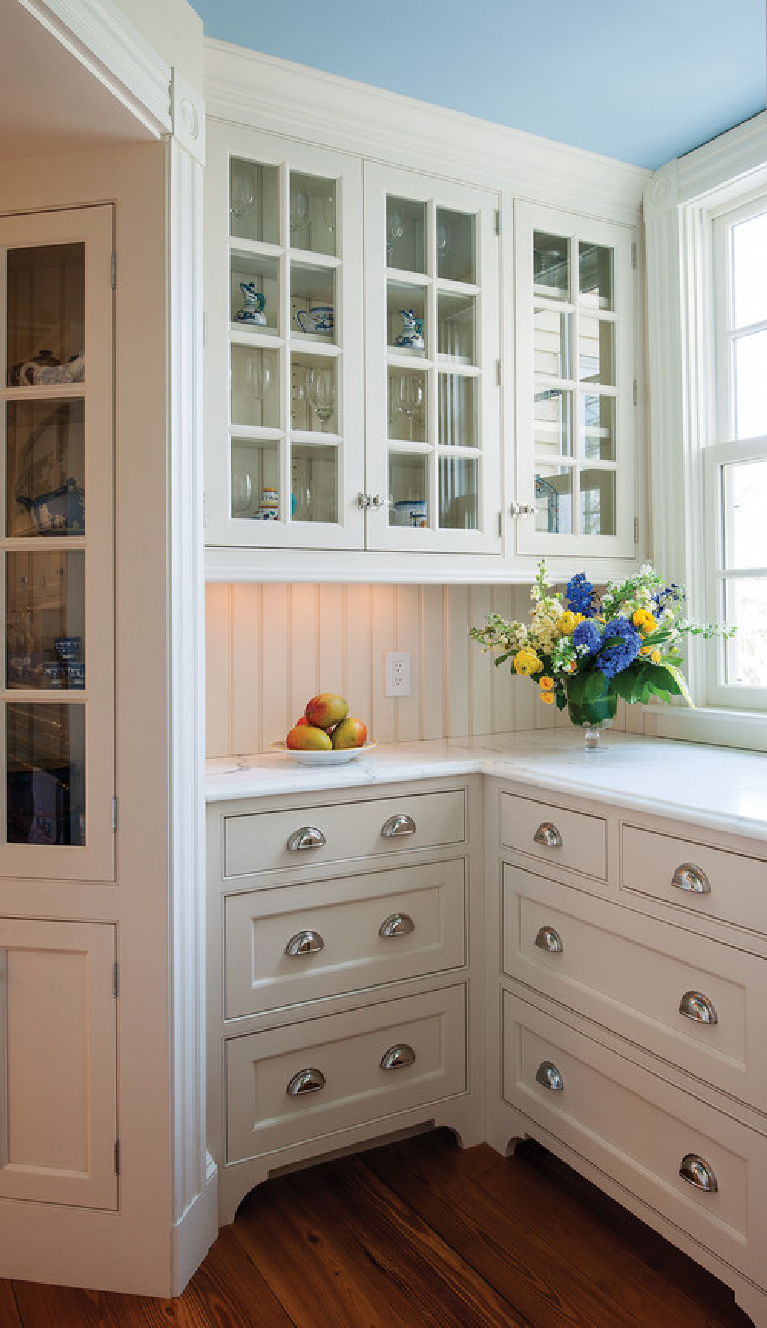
689, 877
397, 924
698, 1172
548, 835
548, 1075
398, 825
304, 943
694, 1005
398, 1056
308, 836
309, 1080
549, 939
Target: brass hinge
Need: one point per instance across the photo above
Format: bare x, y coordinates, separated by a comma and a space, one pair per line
497, 221
117, 1157
114, 271
633, 253
115, 979
636, 529
498, 373
500, 523
114, 814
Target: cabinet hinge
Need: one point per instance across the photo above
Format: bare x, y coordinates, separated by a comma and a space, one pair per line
636, 529
114, 814
635, 392
633, 253
115, 979
498, 373
114, 271
500, 523
117, 1157
497, 221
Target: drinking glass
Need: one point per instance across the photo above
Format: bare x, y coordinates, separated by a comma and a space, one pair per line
299, 209
408, 399
321, 392
258, 376
395, 229
242, 492
242, 195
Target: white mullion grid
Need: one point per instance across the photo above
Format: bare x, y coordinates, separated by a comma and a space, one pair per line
432, 373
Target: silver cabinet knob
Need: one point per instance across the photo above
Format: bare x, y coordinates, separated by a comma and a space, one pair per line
698, 1172
549, 939
398, 825
397, 924
309, 1080
548, 835
304, 943
694, 1005
689, 877
398, 1056
308, 836
548, 1075
522, 509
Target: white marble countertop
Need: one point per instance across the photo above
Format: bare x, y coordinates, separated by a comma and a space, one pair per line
721, 787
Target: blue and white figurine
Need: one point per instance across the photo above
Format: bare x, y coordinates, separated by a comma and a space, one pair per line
411, 336
253, 305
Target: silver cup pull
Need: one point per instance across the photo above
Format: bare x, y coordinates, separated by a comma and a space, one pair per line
398, 1056
398, 825
397, 924
698, 1172
309, 1080
689, 877
308, 836
304, 943
548, 1075
694, 1005
548, 835
549, 939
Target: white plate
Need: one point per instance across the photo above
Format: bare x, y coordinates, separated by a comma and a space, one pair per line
324, 758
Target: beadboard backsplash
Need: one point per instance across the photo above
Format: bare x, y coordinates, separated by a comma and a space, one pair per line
269, 648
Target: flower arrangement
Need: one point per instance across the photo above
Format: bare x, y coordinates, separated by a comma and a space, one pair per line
586, 652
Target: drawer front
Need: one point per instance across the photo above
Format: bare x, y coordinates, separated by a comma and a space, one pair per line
724, 885
575, 840
631, 973
638, 1129
258, 841
344, 1053
320, 938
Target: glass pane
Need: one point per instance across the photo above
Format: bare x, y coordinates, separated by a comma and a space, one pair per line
408, 487
552, 332
46, 315
405, 234
255, 386
45, 619
406, 318
595, 265
749, 270
254, 201
312, 213
45, 773
746, 653
255, 293
553, 432
314, 394
596, 351
551, 267
45, 468
744, 494
456, 320
456, 246
751, 385
597, 502
554, 500
458, 502
255, 479
597, 427
312, 302
314, 483
457, 410
407, 405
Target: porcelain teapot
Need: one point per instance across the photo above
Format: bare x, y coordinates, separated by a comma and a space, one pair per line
411, 336
253, 305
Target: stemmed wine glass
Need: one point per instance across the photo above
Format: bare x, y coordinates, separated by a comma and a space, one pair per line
299, 210
242, 492
242, 195
321, 392
408, 399
395, 229
258, 376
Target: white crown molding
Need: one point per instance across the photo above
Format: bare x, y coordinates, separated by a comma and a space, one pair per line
722, 164
290, 99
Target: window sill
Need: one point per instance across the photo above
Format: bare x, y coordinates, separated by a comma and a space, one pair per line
722, 728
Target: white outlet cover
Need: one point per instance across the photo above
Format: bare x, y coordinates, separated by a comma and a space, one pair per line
397, 673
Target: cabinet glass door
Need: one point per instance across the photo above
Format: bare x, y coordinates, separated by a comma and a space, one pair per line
284, 363
575, 370
57, 691
432, 335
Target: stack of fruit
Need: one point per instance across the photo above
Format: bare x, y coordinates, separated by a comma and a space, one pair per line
326, 726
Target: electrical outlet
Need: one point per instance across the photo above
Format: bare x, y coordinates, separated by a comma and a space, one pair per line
397, 673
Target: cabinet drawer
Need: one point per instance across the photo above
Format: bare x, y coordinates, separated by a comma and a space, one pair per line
570, 839
727, 885
258, 841
631, 973
319, 938
344, 1052
638, 1129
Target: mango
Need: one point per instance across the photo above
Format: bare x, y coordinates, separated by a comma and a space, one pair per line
308, 738
350, 732
326, 709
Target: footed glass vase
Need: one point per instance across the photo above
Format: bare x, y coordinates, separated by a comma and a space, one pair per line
591, 708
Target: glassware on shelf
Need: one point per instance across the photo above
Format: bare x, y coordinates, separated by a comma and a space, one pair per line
409, 398
258, 377
299, 210
242, 493
242, 194
321, 394
395, 229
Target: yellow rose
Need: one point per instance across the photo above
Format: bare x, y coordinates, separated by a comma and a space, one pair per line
548, 697
655, 657
567, 622
527, 663
546, 683
645, 621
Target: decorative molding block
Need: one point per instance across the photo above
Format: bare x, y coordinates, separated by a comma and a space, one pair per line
662, 193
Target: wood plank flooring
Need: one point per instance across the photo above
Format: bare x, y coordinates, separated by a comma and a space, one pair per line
417, 1234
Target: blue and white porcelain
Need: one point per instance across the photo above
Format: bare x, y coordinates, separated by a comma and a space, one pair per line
68, 647
411, 336
319, 320
253, 305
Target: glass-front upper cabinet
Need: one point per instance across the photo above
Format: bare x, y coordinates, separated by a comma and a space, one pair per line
57, 712
433, 400
575, 306
283, 354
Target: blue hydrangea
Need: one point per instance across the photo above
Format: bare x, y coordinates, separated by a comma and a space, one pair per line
587, 637
624, 643
580, 595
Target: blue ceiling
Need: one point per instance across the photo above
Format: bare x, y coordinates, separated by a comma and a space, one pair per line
642, 81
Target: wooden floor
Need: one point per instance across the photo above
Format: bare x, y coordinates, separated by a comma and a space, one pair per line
415, 1234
